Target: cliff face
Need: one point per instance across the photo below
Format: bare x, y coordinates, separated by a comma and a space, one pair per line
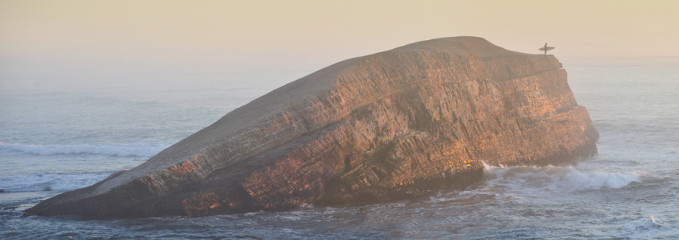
376, 128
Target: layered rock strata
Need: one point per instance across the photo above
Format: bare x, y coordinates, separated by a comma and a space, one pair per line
382, 127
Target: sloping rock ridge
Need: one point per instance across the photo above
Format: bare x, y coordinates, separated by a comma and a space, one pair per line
382, 127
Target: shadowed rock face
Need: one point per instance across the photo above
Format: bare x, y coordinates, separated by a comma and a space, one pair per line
382, 127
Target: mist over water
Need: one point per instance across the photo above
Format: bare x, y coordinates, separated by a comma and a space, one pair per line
53, 141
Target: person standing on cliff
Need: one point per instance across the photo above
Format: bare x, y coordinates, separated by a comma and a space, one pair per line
545, 48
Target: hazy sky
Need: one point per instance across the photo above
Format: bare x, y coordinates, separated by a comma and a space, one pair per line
89, 37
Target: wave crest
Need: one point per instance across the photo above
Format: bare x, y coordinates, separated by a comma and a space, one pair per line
50, 182
138, 149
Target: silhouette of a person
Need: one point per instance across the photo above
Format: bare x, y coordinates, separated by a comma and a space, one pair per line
545, 48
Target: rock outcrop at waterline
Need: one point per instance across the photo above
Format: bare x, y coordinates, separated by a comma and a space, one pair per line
382, 127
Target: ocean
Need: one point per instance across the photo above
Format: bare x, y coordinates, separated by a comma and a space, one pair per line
54, 140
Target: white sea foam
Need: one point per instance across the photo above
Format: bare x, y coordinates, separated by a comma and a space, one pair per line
50, 182
138, 149
557, 178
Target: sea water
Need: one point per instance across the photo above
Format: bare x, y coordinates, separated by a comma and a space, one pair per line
56, 140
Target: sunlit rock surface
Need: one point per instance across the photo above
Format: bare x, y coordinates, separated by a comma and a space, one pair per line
382, 127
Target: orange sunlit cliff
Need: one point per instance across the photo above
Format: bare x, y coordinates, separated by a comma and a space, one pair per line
382, 127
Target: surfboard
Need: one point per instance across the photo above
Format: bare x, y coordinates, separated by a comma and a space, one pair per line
546, 48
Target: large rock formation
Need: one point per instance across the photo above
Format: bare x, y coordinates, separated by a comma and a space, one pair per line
382, 127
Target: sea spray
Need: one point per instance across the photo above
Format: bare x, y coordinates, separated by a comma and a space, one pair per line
556, 178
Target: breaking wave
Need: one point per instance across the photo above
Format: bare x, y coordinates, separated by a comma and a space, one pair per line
557, 178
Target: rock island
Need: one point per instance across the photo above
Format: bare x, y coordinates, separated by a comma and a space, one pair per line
388, 126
